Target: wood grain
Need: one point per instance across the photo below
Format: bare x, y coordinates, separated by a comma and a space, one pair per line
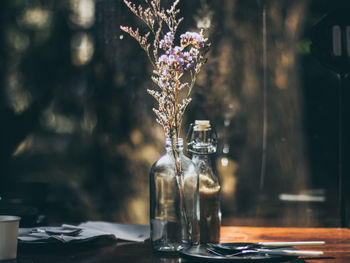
336, 249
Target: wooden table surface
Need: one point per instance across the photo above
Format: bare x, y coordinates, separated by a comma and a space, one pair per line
337, 248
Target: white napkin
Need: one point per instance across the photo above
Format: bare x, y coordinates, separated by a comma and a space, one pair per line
90, 230
127, 232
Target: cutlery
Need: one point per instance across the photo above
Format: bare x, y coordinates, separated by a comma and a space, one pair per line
244, 246
66, 231
292, 243
283, 252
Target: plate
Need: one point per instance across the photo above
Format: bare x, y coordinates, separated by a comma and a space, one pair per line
200, 253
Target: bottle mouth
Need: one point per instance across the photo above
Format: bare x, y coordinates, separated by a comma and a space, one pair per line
202, 125
179, 143
201, 138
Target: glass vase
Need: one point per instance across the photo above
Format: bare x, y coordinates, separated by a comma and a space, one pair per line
174, 201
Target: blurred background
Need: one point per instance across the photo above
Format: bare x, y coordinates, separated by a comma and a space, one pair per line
77, 132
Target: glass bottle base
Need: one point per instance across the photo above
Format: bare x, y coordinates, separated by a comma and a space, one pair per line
166, 236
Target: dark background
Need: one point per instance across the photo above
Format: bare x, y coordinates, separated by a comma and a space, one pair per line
77, 132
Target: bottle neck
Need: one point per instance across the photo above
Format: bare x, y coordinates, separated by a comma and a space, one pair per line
205, 169
179, 146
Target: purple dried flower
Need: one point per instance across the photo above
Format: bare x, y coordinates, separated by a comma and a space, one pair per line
189, 59
167, 41
192, 38
164, 82
177, 51
163, 60
169, 64
187, 56
164, 76
176, 63
194, 52
189, 66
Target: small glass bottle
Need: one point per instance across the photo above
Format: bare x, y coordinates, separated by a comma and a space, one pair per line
201, 143
174, 201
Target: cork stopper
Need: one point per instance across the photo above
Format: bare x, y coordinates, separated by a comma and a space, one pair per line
201, 138
202, 125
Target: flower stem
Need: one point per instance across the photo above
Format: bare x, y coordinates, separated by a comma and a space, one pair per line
180, 184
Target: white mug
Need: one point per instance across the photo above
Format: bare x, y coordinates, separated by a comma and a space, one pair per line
8, 236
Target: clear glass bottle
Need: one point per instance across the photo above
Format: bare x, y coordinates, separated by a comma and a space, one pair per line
174, 201
201, 143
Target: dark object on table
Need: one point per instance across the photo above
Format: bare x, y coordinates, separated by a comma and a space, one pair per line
236, 247
61, 237
243, 249
201, 253
79, 245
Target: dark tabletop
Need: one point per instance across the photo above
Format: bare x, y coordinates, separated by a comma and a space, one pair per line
337, 248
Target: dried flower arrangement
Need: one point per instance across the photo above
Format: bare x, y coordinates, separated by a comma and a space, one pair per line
171, 66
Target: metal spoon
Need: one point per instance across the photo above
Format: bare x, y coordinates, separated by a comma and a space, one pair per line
283, 252
232, 247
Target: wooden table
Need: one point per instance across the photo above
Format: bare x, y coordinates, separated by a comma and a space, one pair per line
337, 248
